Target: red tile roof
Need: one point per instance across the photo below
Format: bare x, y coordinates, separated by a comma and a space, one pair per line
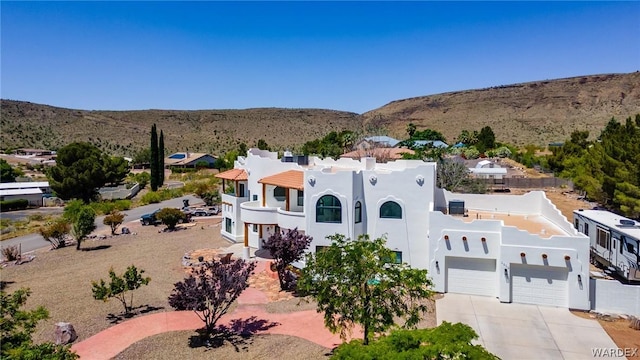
233, 174
292, 179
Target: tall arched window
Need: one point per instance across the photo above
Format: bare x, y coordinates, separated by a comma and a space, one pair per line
358, 214
390, 210
328, 210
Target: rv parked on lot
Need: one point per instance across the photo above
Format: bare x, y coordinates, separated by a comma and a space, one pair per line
614, 241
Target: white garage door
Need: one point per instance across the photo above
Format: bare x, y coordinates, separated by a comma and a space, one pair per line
540, 285
471, 276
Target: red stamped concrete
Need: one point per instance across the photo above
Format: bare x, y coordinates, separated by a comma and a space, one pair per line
307, 324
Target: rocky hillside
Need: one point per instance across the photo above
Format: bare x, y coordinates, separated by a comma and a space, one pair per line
530, 113
537, 112
25, 124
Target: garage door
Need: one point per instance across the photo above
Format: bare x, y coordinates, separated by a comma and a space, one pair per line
471, 276
540, 285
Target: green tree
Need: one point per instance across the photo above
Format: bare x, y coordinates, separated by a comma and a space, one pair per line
114, 219
7, 172
447, 341
79, 172
170, 217
142, 179
83, 224
17, 327
262, 145
360, 282
161, 159
153, 163
116, 168
119, 286
486, 139
142, 157
411, 130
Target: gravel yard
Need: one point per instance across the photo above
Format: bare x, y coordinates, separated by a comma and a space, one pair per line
60, 280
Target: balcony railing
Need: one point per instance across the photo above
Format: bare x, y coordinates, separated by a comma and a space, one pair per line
253, 213
291, 219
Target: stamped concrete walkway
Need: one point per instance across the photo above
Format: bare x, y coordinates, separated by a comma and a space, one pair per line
308, 325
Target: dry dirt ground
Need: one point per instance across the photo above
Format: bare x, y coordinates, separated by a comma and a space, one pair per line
61, 279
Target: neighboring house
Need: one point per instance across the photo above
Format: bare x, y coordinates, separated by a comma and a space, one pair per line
486, 169
188, 160
377, 141
381, 154
43, 186
34, 195
35, 152
30, 191
515, 248
424, 143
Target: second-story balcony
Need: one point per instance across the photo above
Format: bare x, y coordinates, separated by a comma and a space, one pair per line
253, 213
291, 219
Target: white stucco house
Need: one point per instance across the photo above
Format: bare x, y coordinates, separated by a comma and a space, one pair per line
486, 169
514, 248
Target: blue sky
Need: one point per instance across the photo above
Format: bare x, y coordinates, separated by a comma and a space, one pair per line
352, 56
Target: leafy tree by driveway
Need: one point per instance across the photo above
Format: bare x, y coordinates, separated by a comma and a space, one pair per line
359, 282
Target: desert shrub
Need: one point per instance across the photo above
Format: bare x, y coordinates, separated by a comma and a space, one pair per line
19, 204
56, 232
131, 280
170, 217
113, 220
11, 253
142, 179
36, 217
152, 197
183, 170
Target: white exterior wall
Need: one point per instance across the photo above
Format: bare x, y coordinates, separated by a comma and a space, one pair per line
339, 184
610, 296
231, 210
413, 189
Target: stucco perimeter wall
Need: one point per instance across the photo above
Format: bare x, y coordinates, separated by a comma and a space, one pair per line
610, 296
529, 203
551, 213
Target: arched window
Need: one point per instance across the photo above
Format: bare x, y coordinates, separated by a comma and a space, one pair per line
358, 215
390, 210
328, 210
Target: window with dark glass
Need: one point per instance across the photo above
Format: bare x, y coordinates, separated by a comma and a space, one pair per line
358, 215
279, 193
390, 210
328, 210
227, 225
300, 197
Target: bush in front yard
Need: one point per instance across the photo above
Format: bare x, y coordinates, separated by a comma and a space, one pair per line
171, 217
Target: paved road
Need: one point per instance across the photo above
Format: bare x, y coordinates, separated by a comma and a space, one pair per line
33, 242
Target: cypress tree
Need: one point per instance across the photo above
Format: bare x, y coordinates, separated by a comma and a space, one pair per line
161, 159
155, 179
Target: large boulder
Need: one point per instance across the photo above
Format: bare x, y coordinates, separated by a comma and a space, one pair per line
65, 333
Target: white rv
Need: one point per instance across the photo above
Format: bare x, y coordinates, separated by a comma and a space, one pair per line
614, 241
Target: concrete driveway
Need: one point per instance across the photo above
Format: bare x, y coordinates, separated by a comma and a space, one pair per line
518, 331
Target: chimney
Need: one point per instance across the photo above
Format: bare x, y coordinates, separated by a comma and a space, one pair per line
369, 163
